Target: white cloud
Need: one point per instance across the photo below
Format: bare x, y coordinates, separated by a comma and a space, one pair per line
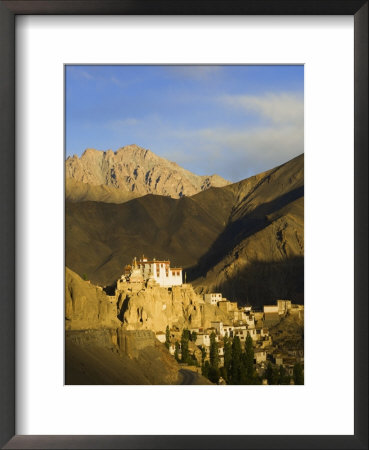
281, 108
198, 73
237, 154
78, 72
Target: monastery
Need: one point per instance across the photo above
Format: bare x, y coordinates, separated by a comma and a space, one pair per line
153, 272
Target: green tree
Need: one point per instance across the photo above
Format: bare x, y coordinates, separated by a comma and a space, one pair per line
249, 359
214, 354
236, 363
167, 337
298, 374
193, 336
176, 351
187, 334
194, 359
223, 374
203, 355
271, 374
84, 276
213, 374
184, 345
284, 378
227, 358
205, 369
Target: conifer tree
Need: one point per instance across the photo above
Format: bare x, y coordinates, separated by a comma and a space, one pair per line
214, 355
236, 364
298, 374
284, 378
167, 337
227, 357
184, 345
249, 359
203, 355
271, 374
205, 369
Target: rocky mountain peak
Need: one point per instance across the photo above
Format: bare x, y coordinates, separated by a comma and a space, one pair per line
138, 171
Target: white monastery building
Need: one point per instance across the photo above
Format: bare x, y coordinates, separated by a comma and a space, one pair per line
155, 270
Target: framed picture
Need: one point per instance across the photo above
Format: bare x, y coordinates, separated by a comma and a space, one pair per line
185, 250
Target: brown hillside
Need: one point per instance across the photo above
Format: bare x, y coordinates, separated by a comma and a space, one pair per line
221, 235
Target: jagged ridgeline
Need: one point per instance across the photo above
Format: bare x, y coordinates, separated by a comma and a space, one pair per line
130, 172
245, 239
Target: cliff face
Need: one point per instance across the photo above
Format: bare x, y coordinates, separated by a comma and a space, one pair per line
101, 349
154, 308
133, 171
87, 306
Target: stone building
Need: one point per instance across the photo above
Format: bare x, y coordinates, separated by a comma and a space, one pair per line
153, 272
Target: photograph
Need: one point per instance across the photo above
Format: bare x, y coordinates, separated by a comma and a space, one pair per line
184, 224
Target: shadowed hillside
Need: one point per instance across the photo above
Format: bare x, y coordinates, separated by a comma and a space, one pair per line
101, 238
234, 238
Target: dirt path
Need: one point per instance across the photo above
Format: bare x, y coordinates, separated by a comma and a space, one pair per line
190, 377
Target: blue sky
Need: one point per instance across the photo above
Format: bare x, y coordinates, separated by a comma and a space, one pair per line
231, 120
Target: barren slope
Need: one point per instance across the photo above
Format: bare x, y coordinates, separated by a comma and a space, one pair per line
245, 239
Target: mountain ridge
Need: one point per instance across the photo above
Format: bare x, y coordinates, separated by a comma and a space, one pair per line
219, 235
134, 171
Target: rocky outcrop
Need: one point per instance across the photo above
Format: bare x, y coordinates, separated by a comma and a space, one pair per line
154, 308
133, 171
87, 306
101, 349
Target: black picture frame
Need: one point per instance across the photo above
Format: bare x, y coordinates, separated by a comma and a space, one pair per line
8, 12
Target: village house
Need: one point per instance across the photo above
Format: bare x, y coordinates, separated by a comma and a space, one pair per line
212, 298
203, 339
218, 327
265, 342
250, 321
283, 306
241, 332
270, 309
259, 356
161, 337
239, 315
228, 330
